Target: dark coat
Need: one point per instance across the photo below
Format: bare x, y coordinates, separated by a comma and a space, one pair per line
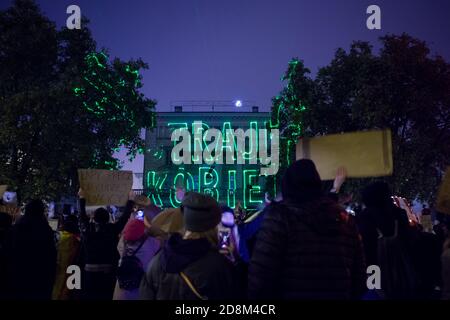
421, 249
209, 271
382, 219
5, 226
307, 251
99, 242
31, 261
99, 247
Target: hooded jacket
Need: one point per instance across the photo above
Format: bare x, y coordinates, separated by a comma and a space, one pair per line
147, 251
208, 270
307, 251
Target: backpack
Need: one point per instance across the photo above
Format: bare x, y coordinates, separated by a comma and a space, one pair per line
399, 278
131, 270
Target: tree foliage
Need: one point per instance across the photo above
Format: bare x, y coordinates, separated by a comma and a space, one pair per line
287, 115
403, 88
59, 110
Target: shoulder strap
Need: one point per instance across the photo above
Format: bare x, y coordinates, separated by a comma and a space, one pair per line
191, 286
140, 246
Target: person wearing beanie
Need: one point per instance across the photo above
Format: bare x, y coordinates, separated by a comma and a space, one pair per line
135, 239
304, 248
190, 267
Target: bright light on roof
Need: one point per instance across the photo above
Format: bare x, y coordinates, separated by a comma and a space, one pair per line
238, 103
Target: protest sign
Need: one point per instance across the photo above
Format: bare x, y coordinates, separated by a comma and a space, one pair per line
443, 199
105, 187
53, 223
364, 154
3, 188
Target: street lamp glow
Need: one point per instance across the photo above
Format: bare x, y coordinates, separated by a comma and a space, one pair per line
238, 103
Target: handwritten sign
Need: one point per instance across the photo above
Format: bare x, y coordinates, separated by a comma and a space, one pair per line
105, 187
443, 199
364, 154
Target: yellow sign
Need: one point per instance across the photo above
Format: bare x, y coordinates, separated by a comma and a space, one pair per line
443, 200
105, 187
363, 154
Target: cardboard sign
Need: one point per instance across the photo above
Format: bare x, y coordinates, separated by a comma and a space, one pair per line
105, 187
13, 211
443, 199
363, 154
3, 188
426, 223
53, 223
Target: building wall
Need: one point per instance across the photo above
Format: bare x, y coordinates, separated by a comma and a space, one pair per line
158, 165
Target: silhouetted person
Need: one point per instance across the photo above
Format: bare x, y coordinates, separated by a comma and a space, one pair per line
379, 216
68, 252
306, 248
5, 226
190, 267
445, 260
408, 259
31, 255
135, 241
99, 250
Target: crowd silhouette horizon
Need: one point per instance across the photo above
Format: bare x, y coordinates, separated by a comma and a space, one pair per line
304, 245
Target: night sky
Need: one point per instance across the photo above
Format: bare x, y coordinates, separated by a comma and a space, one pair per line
238, 49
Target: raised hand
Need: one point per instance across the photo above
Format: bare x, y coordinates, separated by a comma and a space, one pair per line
341, 175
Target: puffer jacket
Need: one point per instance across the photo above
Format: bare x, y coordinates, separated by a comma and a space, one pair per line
307, 251
209, 272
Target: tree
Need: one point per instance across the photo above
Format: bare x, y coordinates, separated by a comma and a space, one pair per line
402, 88
287, 116
64, 104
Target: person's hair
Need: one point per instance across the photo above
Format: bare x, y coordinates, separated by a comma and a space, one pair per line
301, 182
35, 209
377, 194
101, 216
212, 235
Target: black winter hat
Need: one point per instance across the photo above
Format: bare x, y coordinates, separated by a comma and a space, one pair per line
201, 212
301, 182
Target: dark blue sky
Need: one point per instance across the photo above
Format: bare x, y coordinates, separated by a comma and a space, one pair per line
238, 49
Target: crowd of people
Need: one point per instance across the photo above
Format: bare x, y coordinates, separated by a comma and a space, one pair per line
304, 245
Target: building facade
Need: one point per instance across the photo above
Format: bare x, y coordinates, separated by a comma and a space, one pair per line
230, 184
